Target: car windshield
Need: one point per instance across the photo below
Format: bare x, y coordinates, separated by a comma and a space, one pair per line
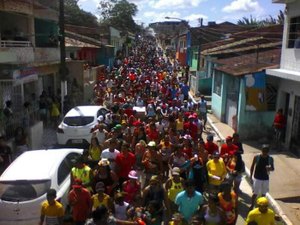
78, 120
20, 191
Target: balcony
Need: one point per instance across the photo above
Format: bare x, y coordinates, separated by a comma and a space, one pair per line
16, 52
22, 52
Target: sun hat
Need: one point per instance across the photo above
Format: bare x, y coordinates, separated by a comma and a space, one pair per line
133, 174
100, 186
262, 201
103, 162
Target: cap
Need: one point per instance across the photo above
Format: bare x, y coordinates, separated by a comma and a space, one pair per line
210, 137
154, 178
100, 118
175, 171
216, 154
103, 162
191, 117
123, 122
100, 186
228, 138
77, 183
133, 174
262, 201
118, 126
265, 146
152, 144
187, 136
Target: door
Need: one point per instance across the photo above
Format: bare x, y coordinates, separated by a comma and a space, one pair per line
295, 137
232, 103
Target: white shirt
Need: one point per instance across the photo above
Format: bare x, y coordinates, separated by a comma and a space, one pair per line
111, 156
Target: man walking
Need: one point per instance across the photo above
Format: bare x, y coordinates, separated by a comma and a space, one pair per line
203, 110
262, 215
188, 201
52, 211
261, 166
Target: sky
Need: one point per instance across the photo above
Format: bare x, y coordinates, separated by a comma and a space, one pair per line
150, 11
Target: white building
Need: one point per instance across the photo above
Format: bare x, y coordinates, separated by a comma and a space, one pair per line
289, 74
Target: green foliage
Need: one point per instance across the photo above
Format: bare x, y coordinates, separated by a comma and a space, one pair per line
265, 22
119, 14
76, 16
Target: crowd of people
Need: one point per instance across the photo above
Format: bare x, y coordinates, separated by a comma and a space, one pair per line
149, 162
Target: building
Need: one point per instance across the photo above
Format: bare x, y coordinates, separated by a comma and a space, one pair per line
29, 56
289, 74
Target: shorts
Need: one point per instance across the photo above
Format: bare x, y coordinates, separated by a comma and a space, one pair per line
260, 187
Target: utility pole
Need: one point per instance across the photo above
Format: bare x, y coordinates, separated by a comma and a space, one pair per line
63, 69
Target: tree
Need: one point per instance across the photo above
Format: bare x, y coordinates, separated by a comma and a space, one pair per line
119, 14
265, 22
76, 16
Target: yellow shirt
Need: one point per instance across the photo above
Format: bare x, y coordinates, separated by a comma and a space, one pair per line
216, 169
97, 203
52, 212
174, 190
267, 218
95, 153
179, 125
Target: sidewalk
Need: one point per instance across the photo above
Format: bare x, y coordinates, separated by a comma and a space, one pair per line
284, 192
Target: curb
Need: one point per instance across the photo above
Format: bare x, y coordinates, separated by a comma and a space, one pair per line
272, 201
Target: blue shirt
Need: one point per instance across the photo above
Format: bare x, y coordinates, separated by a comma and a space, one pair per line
188, 206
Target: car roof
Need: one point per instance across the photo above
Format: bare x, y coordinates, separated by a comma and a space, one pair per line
36, 164
89, 110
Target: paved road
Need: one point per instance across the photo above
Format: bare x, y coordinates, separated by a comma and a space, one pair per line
50, 141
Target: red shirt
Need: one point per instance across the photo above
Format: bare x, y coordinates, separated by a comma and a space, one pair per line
279, 121
153, 135
192, 129
124, 164
229, 149
81, 204
211, 147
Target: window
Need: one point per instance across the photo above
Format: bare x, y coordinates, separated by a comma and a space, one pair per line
217, 82
65, 167
294, 33
23, 190
195, 55
78, 120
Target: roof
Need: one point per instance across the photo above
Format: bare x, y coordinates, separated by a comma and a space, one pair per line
249, 63
252, 37
36, 165
83, 40
90, 110
70, 42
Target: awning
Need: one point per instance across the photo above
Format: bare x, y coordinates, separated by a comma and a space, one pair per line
284, 74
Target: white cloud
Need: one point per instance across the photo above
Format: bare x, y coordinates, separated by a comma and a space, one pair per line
178, 4
193, 17
242, 6
160, 16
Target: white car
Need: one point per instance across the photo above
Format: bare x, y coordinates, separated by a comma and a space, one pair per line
24, 184
77, 126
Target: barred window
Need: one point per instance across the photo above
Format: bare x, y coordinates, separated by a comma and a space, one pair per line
217, 82
294, 33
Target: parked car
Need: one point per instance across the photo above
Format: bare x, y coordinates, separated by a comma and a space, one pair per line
78, 125
24, 184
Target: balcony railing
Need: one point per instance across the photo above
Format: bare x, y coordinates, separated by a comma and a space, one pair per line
9, 44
